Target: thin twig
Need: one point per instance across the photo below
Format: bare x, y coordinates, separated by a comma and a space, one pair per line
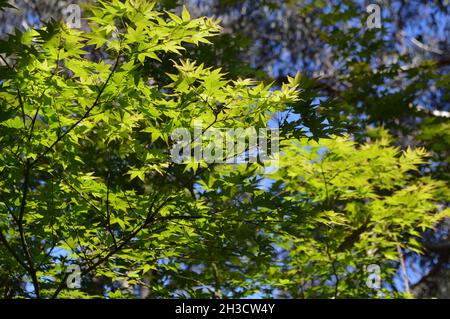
405, 274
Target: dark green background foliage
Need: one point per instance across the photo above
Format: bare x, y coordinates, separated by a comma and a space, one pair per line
87, 177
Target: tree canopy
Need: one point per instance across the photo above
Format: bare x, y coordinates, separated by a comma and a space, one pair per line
88, 177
